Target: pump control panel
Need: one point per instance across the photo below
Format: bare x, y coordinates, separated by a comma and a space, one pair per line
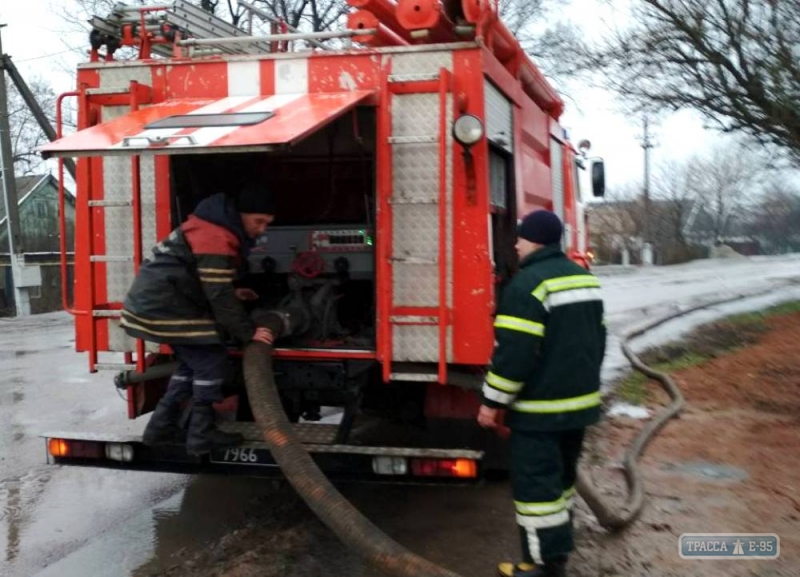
282, 245
341, 240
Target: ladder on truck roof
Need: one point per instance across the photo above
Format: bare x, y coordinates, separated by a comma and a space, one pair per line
182, 29
155, 29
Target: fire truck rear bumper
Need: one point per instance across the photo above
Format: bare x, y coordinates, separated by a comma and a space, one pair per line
339, 461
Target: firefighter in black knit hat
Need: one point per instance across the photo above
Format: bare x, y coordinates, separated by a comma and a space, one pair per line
545, 373
184, 296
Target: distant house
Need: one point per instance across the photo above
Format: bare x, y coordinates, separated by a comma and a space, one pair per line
615, 231
38, 211
679, 231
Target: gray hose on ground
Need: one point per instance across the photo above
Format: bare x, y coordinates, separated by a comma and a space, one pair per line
161, 371
616, 518
311, 484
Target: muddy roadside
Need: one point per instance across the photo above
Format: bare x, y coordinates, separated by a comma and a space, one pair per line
726, 465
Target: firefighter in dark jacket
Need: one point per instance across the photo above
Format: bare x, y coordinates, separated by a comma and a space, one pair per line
184, 296
545, 380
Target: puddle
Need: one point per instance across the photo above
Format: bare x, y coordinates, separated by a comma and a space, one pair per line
14, 354
708, 470
36, 515
11, 397
628, 410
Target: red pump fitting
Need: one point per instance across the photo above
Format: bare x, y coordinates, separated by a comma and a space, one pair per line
364, 20
386, 13
426, 18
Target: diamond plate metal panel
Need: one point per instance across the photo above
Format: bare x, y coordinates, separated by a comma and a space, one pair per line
415, 169
118, 223
498, 118
120, 77
557, 171
415, 285
147, 187
120, 342
415, 209
421, 62
415, 115
118, 186
310, 433
415, 227
419, 344
449, 217
118, 226
416, 231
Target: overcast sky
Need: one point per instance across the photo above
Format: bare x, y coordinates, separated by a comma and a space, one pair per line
36, 41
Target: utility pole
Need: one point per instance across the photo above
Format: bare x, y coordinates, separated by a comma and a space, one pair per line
30, 100
647, 248
15, 248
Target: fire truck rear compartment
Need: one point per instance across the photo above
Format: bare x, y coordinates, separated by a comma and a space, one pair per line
318, 255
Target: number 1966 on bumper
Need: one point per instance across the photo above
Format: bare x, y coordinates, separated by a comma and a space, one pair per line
243, 456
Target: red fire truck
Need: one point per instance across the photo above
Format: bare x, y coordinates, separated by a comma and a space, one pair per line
402, 151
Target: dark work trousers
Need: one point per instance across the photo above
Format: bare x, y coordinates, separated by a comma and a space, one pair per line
200, 374
543, 471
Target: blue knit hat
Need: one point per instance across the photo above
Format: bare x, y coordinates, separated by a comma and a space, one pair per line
255, 197
541, 227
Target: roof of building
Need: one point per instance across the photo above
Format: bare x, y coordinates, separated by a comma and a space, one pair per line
26, 185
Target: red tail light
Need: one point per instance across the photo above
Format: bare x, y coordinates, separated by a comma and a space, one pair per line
461, 468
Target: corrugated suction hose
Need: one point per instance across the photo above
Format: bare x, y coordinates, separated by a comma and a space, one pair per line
362, 535
312, 485
617, 518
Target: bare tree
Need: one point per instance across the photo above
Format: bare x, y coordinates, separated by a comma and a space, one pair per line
726, 182
548, 39
26, 135
735, 61
676, 203
776, 217
695, 203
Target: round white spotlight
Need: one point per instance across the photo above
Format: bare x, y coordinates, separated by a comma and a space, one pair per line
467, 130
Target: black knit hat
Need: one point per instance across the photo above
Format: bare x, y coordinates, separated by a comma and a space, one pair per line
541, 227
255, 197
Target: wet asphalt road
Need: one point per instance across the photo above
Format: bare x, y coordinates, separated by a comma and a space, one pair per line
66, 521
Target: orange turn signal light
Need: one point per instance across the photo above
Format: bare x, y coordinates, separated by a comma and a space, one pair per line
460, 468
466, 468
75, 449
58, 448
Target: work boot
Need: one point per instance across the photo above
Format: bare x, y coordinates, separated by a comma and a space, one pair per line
555, 568
204, 436
520, 570
163, 427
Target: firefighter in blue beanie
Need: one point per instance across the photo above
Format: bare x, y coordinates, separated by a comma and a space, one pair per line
545, 380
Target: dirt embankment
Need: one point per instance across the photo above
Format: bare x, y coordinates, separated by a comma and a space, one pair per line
728, 464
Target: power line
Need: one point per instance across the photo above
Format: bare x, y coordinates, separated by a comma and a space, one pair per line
44, 56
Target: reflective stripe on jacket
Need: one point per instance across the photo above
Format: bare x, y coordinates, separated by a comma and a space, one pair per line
184, 292
551, 338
